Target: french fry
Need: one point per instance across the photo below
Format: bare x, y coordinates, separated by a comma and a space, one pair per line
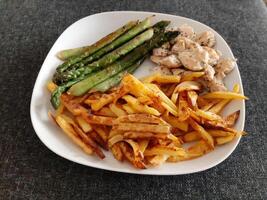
191, 136
198, 149
223, 95
117, 110
133, 102
183, 112
115, 139
170, 90
192, 98
163, 98
174, 122
100, 131
70, 132
116, 151
142, 118
161, 78
203, 133
128, 109
158, 160
224, 140
191, 76
72, 106
60, 109
94, 119
208, 115
174, 97
143, 145
187, 85
51, 86
144, 135
129, 155
106, 112
145, 100
218, 133
142, 127
160, 150
83, 124
231, 119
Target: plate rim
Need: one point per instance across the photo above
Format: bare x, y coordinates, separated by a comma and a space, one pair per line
126, 170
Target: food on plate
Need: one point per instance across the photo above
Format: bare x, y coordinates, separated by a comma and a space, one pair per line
190, 52
164, 117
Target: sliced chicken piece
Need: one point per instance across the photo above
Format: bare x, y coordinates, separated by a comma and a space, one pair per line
187, 31
160, 52
216, 85
206, 38
225, 66
183, 43
162, 70
170, 61
209, 73
214, 55
194, 59
177, 71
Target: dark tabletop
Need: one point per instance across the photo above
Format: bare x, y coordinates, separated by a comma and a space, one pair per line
28, 170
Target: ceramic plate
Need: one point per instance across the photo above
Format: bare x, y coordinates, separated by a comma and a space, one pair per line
87, 31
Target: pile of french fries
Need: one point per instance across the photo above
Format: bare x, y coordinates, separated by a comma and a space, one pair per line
148, 121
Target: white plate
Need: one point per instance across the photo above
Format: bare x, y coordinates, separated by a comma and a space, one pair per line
89, 30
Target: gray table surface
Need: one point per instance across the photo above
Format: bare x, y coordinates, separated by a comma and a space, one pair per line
28, 170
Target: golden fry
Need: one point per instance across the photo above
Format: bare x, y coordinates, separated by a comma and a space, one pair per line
231, 119
117, 110
142, 127
51, 86
142, 118
174, 122
116, 151
224, 95
191, 136
224, 140
170, 151
94, 119
191, 76
83, 124
203, 133
105, 111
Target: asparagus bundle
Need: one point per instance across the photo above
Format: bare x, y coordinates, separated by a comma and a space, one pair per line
108, 58
117, 39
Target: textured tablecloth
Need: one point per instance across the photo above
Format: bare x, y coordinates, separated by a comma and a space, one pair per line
28, 170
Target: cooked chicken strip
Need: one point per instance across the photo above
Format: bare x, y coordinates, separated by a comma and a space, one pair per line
214, 55
170, 61
206, 38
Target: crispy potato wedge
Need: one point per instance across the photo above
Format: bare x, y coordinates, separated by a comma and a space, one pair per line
203, 133
142, 127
